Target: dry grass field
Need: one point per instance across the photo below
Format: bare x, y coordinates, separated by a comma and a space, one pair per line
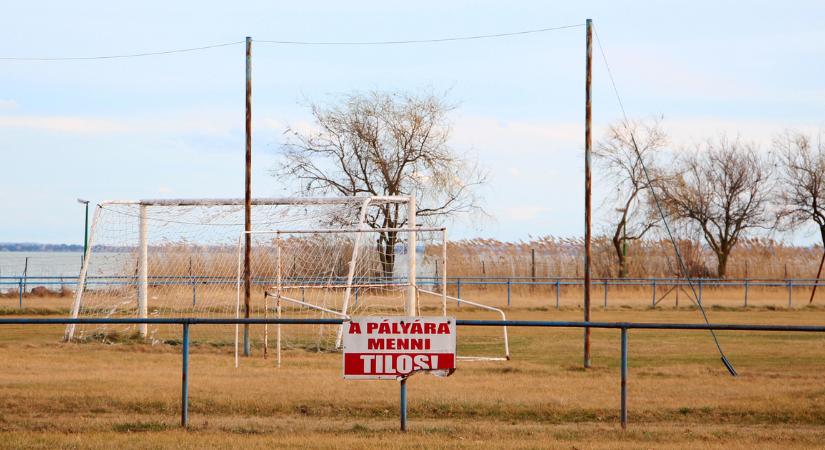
126, 395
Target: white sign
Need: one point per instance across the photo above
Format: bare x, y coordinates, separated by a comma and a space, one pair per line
388, 348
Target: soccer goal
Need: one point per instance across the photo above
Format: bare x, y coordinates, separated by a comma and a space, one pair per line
183, 258
177, 258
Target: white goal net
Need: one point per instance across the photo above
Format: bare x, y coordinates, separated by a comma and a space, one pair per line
309, 258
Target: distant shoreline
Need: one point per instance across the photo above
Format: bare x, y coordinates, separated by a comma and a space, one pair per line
34, 247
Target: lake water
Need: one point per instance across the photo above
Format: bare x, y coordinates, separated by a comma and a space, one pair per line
56, 264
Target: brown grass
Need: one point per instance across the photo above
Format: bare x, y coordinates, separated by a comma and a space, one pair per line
126, 394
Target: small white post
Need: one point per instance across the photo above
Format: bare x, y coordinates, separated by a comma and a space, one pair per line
278, 331
143, 270
351, 273
409, 308
278, 289
241, 238
444, 273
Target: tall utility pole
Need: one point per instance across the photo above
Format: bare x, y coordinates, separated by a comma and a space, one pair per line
247, 269
587, 145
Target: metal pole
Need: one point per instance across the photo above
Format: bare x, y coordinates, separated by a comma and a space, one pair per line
790, 293
85, 230
624, 380
192, 280
816, 282
653, 304
605, 294
558, 293
508, 292
184, 391
247, 269
587, 182
24, 280
404, 404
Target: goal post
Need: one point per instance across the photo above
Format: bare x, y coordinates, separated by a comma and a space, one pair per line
139, 251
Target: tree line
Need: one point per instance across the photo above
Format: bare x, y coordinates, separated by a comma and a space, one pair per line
722, 190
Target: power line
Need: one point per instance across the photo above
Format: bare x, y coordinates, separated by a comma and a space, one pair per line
121, 56
286, 42
681, 260
422, 41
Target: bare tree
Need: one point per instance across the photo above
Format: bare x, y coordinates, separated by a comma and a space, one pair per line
802, 176
385, 144
724, 191
622, 165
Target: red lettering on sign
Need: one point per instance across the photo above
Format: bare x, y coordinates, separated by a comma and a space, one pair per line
395, 364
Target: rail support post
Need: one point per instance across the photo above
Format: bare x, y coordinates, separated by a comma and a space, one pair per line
605, 293
623, 412
558, 293
746, 292
653, 301
508, 292
790, 294
184, 391
404, 404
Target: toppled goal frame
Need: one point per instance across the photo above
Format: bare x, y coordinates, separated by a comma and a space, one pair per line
355, 281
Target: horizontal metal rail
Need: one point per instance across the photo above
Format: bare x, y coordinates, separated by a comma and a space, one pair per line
464, 281
459, 322
186, 322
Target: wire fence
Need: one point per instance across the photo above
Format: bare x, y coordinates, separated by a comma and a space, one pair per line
550, 288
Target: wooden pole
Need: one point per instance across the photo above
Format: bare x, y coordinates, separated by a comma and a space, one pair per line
247, 270
587, 183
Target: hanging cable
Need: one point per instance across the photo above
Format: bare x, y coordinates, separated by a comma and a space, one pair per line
682, 266
422, 41
287, 42
128, 55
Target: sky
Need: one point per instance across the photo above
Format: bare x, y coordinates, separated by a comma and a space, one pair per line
171, 126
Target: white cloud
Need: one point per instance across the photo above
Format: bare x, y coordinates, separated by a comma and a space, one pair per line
7, 104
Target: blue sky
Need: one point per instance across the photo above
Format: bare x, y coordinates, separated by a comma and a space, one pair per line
172, 126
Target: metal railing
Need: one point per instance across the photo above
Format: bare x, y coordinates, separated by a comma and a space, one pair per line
622, 326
